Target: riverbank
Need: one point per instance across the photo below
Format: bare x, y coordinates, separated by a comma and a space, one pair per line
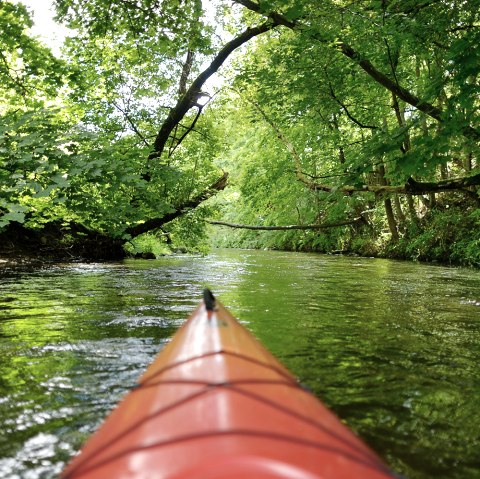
56, 242
449, 236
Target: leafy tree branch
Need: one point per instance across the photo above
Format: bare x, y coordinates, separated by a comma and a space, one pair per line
411, 187
363, 62
194, 92
179, 209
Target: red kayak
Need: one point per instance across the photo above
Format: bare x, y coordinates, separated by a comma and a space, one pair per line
216, 404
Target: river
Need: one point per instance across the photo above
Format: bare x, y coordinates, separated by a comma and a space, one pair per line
392, 347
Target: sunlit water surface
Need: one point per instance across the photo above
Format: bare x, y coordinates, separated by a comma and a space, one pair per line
392, 347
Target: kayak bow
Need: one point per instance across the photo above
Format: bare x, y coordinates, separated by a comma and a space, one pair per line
216, 404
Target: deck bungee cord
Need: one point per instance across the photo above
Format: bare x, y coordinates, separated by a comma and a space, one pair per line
216, 404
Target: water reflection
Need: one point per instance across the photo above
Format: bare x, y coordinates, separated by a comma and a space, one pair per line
392, 347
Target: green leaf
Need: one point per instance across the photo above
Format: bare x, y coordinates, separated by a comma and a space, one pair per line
294, 12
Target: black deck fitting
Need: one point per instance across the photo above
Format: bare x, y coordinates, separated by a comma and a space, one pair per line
209, 300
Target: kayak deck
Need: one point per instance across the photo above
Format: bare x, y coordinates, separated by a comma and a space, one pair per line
215, 404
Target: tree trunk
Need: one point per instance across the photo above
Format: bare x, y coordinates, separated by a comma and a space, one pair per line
187, 66
392, 223
398, 209
411, 209
406, 147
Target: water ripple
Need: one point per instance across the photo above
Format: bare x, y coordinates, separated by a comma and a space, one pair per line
392, 347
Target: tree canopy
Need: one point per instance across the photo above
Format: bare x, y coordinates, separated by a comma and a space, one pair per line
360, 114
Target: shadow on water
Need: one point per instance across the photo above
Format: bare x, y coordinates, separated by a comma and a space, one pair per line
391, 347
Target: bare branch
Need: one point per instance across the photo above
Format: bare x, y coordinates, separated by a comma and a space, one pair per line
188, 130
131, 123
290, 147
14, 76
412, 187
288, 227
357, 122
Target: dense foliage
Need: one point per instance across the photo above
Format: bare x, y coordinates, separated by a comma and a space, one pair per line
328, 134
76, 132
362, 114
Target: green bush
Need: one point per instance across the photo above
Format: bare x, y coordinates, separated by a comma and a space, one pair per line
449, 235
148, 245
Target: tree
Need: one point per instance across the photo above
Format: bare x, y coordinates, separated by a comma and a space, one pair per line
97, 147
133, 70
32, 129
323, 90
346, 103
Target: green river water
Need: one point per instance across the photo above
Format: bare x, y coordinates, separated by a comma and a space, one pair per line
392, 347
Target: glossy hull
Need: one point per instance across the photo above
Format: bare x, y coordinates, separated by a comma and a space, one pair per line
216, 404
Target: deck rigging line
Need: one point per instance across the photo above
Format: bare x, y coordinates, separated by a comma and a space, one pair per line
365, 457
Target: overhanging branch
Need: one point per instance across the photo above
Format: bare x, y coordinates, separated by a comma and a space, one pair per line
180, 209
412, 187
287, 227
365, 64
190, 97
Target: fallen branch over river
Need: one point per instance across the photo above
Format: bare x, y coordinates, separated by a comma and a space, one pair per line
287, 227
